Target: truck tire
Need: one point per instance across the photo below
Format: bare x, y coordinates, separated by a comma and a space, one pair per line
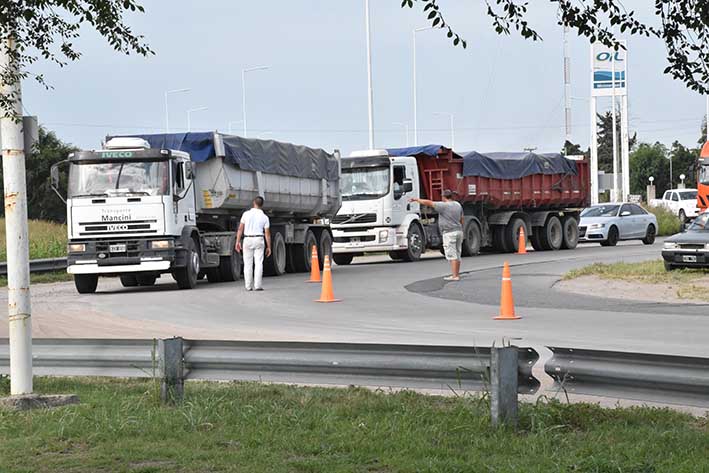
396, 255
552, 234
301, 253
414, 243
213, 275
324, 247
86, 283
342, 259
472, 239
146, 279
535, 238
512, 233
230, 267
275, 265
186, 277
570, 228
498, 239
129, 280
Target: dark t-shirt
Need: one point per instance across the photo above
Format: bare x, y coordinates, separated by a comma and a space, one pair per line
449, 216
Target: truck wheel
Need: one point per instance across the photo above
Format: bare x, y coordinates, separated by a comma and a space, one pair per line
301, 253
415, 243
324, 247
129, 281
535, 238
570, 233
213, 275
396, 255
612, 239
498, 239
86, 283
187, 277
342, 259
512, 233
230, 267
552, 234
146, 279
275, 265
473, 238
649, 235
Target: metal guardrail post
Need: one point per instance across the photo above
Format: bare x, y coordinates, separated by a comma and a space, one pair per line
503, 385
171, 370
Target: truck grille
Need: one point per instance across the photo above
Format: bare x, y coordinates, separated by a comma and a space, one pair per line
354, 218
111, 228
691, 246
132, 247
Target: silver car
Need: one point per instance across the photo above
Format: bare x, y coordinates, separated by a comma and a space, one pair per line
607, 224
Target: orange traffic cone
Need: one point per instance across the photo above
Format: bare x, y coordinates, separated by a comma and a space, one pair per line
522, 244
326, 294
507, 303
314, 266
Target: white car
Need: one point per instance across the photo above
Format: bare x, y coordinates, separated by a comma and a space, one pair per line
681, 202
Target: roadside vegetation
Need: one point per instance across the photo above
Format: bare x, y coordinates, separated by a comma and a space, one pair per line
667, 222
688, 283
120, 427
47, 240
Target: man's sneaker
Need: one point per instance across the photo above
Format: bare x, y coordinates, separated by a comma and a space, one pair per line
258, 289
249, 289
451, 278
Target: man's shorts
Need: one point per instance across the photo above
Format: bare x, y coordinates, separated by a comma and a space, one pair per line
453, 245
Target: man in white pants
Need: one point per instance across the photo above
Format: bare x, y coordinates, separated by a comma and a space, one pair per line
256, 233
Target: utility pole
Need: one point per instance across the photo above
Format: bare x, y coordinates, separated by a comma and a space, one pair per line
370, 98
413, 75
567, 89
18, 268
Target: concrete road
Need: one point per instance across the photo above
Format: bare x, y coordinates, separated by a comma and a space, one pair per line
387, 302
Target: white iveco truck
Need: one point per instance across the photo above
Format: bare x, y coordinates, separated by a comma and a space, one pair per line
154, 204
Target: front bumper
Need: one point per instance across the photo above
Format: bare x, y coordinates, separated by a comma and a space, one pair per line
587, 234
687, 258
119, 256
367, 240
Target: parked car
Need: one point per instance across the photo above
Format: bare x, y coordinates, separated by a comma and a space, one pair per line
689, 249
681, 202
607, 224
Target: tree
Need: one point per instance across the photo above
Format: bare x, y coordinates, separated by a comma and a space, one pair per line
703, 136
572, 149
684, 28
649, 160
605, 141
684, 161
46, 28
42, 202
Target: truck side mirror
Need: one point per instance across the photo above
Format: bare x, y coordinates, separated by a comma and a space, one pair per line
54, 178
189, 171
408, 186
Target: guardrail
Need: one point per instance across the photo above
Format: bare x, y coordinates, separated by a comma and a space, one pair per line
40, 265
646, 377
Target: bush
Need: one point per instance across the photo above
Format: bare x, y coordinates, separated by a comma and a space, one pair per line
667, 222
47, 240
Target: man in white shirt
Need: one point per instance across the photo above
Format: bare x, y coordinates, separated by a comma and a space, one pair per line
256, 233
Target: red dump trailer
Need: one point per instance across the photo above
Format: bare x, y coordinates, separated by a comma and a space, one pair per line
502, 193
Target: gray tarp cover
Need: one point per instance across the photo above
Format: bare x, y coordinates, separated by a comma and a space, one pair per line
516, 165
253, 155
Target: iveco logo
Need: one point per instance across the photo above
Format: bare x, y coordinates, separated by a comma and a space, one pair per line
117, 154
117, 227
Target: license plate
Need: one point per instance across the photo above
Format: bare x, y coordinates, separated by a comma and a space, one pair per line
689, 259
117, 248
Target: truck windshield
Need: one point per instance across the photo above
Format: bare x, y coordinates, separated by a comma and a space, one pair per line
601, 211
704, 174
118, 178
364, 183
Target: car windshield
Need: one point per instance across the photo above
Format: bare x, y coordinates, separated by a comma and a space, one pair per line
700, 224
118, 178
704, 174
601, 211
688, 195
364, 183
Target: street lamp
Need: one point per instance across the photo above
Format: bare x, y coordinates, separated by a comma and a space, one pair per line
450, 117
189, 116
167, 114
370, 92
413, 34
243, 89
682, 177
406, 130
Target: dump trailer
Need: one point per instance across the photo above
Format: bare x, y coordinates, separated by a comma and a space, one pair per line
146, 205
501, 194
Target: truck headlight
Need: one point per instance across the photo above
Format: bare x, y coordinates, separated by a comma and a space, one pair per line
706, 246
160, 244
596, 226
383, 236
670, 245
77, 247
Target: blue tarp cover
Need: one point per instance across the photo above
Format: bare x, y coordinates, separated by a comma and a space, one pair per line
252, 155
516, 165
428, 150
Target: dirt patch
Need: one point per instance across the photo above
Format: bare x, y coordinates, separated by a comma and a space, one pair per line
635, 290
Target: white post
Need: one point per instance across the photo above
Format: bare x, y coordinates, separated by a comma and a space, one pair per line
189, 116
243, 90
616, 182
624, 145
370, 98
594, 152
567, 88
416, 139
452, 133
18, 270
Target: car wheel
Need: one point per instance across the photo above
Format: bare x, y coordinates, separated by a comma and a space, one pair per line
612, 239
669, 266
649, 235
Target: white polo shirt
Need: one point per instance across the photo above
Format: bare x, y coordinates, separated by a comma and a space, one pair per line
255, 222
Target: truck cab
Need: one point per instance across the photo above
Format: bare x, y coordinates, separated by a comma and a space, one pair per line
703, 178
376, 215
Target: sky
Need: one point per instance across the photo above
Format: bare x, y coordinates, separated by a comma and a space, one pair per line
505, 93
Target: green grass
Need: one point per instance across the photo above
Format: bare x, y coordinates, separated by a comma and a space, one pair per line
667, 222
247, 427
43, 278
47, 240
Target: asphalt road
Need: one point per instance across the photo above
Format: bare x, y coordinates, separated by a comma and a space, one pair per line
388, 302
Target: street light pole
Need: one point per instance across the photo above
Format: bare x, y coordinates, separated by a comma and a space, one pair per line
406, 130
450, 117
243, 90
423, 28
370, 93
189, 116
167, 113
